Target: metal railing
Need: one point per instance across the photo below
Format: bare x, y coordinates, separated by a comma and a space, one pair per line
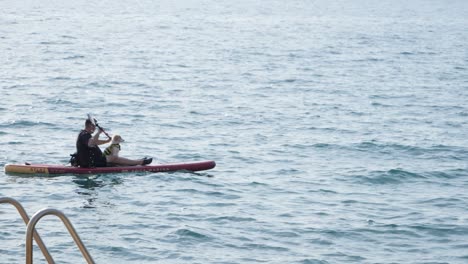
32, 224
25, 217
32, 233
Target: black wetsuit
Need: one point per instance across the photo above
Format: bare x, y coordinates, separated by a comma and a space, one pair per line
88, 156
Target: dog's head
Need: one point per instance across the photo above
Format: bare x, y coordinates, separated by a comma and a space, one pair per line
117, 139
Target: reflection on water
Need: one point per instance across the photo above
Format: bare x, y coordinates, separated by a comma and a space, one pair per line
95, 182
88, 183
90, 186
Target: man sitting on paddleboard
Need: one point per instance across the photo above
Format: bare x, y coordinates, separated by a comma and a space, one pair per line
90, 155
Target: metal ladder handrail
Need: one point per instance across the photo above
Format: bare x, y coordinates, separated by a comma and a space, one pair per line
49, 211
25, 217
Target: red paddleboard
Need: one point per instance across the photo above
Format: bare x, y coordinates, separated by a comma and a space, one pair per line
60, 169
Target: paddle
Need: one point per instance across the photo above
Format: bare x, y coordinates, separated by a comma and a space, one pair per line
94, 121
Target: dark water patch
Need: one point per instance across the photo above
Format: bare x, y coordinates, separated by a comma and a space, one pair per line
349, 202
289, 172
178, 65
322, 146
393, 176
439, 231
68, 37
52, 43
320, 241
162, 106
341, 234
369, 59
220, 204
60, 78
27, 124
443, 108
283, 81
374, 59
377, 104
97, 85
449, 174
284, 234
74, 57
462, 246
115, 104
124, 253
187, 234
171, 126
251, 260
54, 102
256, 184
198, 113
388, 229
395, 149
248, 160
258, 246
324, 191
331, 129
446, 148
345, 257
208, 193
300, 146
355, 113
387, 148
128, 84
453, 124
313, 261
192, 124
286, 215
386, 96
233, 219
326, 146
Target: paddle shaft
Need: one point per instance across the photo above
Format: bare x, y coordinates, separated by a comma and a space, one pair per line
102, 129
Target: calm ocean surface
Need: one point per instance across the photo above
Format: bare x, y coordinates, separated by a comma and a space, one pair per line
339, 129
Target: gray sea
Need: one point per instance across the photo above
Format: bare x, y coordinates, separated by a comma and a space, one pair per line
339, 129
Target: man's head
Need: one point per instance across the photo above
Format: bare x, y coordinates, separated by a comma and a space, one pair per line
89, 126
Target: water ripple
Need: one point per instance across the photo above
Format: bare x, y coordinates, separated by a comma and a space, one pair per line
344, 146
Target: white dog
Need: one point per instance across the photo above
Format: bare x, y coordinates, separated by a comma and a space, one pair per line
113, 150
112, 155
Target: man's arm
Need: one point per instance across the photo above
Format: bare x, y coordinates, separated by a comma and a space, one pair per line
94, 141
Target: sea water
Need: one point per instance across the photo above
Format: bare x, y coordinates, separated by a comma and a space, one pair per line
338, 127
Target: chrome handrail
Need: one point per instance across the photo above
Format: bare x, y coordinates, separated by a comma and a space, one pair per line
25, 217
48, 211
